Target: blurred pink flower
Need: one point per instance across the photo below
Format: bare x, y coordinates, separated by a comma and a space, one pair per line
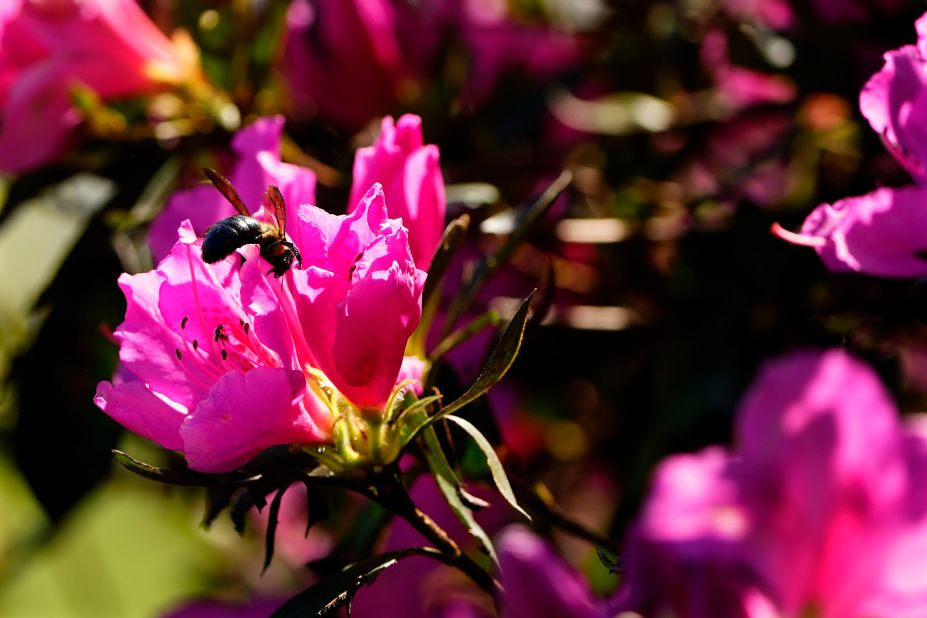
538, 583
739, 158
498, 45
818, 510
47, 47
342, 60
349, 61
411, 177
258, 165
775, 14
737, 86
881, 233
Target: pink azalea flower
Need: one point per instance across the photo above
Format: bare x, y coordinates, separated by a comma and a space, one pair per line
538, 584
342, 60
411, 178
218, 359
201, 371
880, 233
360, 294
49, 46
819, 509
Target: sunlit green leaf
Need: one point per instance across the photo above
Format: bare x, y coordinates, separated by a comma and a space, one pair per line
495, 466
501, 359
449, 485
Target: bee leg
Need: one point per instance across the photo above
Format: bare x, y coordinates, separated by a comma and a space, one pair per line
292, 247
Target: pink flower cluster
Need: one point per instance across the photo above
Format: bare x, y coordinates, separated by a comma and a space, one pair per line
47, 47
883, 233
217, 360
348, 61
819, 511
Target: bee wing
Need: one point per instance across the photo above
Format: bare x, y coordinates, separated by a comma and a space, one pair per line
273, 201
228, 191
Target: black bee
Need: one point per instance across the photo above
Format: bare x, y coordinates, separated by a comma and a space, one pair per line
222, 238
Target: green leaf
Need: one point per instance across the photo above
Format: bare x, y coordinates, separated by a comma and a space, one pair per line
492, 263
218, 498
450, 488
414, 408
272, 521
612, 564
316, 507
501, 359
495, 466
462, 334
339, 589
184, 478
454, 234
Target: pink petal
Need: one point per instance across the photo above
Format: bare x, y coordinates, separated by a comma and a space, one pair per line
202, 205
412, 182
244, 414
135, 407
37, 118
880, 233
537, 583
894, 101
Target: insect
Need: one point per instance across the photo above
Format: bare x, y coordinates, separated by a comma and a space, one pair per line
223, 237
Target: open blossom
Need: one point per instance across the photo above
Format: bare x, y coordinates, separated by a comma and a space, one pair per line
882, 233
198, 373
411, 178
218, 359
819, 511
47, 47
220, 362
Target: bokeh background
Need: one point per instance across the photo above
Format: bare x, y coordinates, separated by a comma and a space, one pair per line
690, 127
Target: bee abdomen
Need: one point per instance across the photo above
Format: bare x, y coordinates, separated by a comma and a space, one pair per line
222, 238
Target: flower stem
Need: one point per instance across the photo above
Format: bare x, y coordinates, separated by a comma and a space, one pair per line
393, 496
